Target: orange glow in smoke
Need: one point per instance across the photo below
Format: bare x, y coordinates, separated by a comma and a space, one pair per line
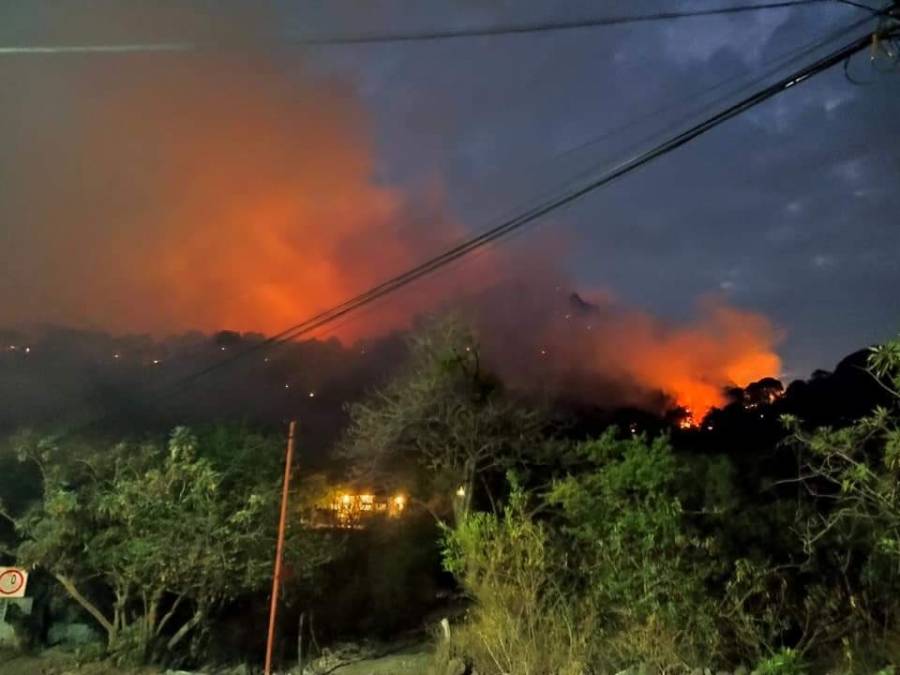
691, 363
211, 193
694, 363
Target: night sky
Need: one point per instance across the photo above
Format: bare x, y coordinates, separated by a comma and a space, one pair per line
790, 211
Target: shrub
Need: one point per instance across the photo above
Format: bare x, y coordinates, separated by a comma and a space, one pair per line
633, 555
608, 576
783, 662
523, 620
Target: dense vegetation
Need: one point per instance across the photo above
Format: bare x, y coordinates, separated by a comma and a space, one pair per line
768, 538
638, 555
149, 538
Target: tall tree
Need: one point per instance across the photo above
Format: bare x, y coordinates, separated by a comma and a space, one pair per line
446, 415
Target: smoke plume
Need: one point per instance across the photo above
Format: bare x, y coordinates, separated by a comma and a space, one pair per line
165, 195
604, 352
206, 191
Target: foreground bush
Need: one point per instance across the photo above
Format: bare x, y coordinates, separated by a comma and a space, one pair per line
523, 620
610, 569
608, 578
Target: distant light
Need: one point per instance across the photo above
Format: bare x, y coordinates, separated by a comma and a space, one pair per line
287, 386
27, 350
156, 362
115, 356
589, 327
568, 316
222, 349
709, 427
312, 394
266, 360
346, 499
400, 501
461, 491
543, 352
12, 348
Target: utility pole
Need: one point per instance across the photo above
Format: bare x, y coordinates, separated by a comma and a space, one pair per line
279, 548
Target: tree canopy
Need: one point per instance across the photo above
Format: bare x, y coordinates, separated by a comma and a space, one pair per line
150, 538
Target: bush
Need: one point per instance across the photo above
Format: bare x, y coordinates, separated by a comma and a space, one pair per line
783, 662
632, 553
523, 620
849, 522
609, 576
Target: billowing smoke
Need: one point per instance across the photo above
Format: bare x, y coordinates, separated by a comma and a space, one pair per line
206, 191
160, 194
601, 351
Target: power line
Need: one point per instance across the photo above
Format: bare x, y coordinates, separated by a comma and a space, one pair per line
858, 5
504, 229
511, 29
546, 26
772, 67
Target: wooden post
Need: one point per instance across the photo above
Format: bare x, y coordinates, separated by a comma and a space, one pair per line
279, 548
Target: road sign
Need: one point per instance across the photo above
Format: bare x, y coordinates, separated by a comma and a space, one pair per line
12, 582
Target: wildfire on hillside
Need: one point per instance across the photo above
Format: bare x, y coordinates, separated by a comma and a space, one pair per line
252, 202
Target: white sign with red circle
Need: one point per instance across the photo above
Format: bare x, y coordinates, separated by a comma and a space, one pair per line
12, 582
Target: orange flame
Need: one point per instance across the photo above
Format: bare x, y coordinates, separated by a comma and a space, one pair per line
694, 363
210, 194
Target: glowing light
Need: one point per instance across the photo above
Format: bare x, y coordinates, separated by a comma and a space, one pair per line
400, 502
115, 356
543, 352
27, 350
156, 362
346, 499
688, 421
222, 349
312, 394
460, 491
